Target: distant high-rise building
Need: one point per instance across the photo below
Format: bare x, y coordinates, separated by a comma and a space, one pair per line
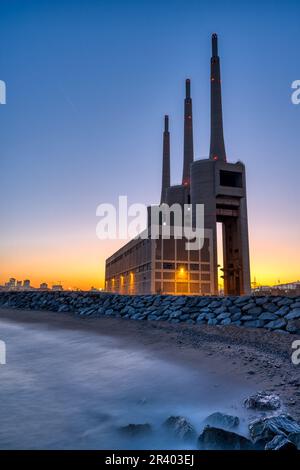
43, 286
57, 287
11, 283
165, 265
26, 284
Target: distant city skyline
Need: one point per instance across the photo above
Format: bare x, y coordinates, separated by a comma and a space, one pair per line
87, 89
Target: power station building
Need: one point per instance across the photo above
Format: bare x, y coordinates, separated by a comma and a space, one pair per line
165, 266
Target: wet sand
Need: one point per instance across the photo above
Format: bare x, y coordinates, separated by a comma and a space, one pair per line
69, 382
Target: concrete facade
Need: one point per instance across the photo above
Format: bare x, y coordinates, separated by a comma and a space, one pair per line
164, 266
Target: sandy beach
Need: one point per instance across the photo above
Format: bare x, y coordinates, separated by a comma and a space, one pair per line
70, 382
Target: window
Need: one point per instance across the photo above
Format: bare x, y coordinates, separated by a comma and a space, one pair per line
205, 288
194, 255
182, 287
169, 249
232, 179
169, 286
194, 267
194, 276
194, 288
169, 275
182, 253
168, 265
205, 267
158, 248
158, 287
205, 250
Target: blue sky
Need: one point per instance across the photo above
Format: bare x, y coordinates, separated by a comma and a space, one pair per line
88, 84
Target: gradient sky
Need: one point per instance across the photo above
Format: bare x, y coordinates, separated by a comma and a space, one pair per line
88, 84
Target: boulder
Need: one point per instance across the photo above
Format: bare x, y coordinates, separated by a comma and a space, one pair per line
276, 324
263, 401
214, 438
268, 316
226, 321
295, 313
254, 324
180, 427
293, 326
222, 420
280, 443
295, 438
264, 429
270, 307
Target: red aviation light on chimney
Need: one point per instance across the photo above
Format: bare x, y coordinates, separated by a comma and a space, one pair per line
215, 157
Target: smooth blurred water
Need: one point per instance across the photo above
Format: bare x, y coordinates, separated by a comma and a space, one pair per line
73, 389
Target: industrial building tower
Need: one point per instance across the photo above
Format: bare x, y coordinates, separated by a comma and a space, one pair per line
165, 266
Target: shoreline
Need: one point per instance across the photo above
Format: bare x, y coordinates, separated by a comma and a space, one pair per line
260, 358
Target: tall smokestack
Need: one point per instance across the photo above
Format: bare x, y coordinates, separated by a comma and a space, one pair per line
166, 161
217, 146
188, 146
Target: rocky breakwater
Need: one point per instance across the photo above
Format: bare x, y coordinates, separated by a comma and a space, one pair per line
276, 313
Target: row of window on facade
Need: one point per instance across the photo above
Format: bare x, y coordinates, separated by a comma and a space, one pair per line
182, 288
181, 274
176, 249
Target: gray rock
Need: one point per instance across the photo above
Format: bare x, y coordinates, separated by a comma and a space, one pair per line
212, 321
254, 324
200, 317
236, 316
293, 326
246, 317
180, 427
109, 312
261, 300
280, 443
184, 317
295, 438
295, 313
270, 307
264, 429
234, 310
282, 311
221, 310
249, 306
275, 324
226, 321
268, 316
214, 438
285, 301
263, 401
222, 420
223, 315
203, 302
254, 311
242, 299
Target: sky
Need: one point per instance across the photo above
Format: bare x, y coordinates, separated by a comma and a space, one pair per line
88, 84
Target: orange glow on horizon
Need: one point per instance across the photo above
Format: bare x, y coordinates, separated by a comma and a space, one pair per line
80, 263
